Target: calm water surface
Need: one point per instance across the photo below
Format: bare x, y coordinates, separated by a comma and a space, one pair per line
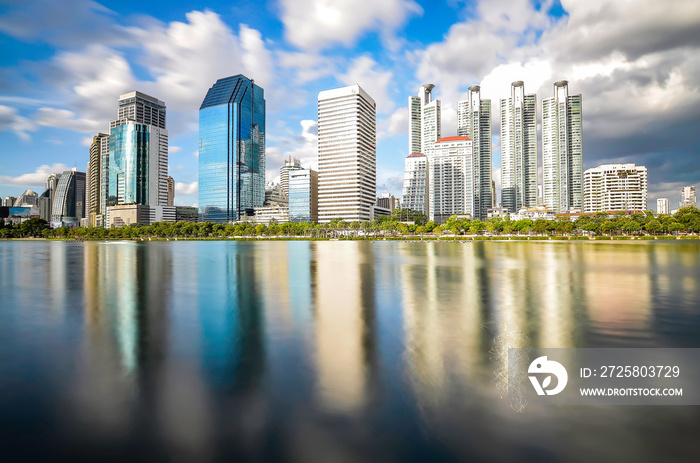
328, 351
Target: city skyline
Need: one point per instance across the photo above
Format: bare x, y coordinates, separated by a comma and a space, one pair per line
56, 92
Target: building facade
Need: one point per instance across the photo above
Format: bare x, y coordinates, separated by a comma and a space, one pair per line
137, 169
474, 122
99, 155
69, 200
663, 206
451, 165
289, 165
231, 150
347, 159
171, 191
303, 195
415, 183
518, 149
688, 197
562, 150
615, 187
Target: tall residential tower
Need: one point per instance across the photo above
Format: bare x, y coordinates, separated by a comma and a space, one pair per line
518, 149
562, 150
231, 150
474, 121
347, 156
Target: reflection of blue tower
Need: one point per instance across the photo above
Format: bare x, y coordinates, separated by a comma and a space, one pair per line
231, 316
231, 149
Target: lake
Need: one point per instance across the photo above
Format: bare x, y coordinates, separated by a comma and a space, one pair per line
342, 351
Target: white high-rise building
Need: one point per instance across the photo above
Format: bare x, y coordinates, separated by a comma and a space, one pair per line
347, 156
289, 165
562, 150
615, 187
474, 121
518, 149
663, 206
414, 127
415, 183
451, 163
688, 196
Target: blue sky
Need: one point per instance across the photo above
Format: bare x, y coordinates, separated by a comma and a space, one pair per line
64, 64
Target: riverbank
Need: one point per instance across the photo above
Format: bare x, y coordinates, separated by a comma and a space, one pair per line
378, 238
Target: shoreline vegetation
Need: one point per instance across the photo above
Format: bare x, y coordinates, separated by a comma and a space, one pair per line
401, 225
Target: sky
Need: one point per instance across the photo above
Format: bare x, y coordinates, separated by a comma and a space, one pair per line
63, 65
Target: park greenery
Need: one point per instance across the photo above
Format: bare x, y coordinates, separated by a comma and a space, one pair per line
401, 222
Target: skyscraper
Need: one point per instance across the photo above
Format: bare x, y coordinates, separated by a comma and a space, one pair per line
615, 187
518, 149
231, 150
99, 155
414, 127
430, 123
451, 186
474, 122
137, 169
289, 164
347, 157
688, 196
562, 150
662, 206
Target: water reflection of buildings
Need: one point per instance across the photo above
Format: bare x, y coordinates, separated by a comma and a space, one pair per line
344, 324
126, 298
618, 289
445, 296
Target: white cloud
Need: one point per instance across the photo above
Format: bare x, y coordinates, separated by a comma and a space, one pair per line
11, 120
186, 189
174, 149
64, 119
363, 71
34, 179
308, 66
86, 141
317, 24
303, 146
396, 124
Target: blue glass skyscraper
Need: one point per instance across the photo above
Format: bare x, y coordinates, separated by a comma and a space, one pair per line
231, 150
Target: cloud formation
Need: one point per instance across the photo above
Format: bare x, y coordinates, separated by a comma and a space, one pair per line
11, 120
318, 24
34, 179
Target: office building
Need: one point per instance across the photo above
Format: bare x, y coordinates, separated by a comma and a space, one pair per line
289, 164
27, 199
69, 200
347, 159
231, 150
415, 183
615, 187
99, 156
474, 122
562, 150
128, 214
303, 195
171, 191
663, 206
186, 214
137, 169
518, 149
451, 165
387, 201
9, 201
424, 125
688, 197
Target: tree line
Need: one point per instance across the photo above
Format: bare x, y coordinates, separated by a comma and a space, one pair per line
402, 222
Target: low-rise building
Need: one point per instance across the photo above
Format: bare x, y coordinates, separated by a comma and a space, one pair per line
615, 187
128, 214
